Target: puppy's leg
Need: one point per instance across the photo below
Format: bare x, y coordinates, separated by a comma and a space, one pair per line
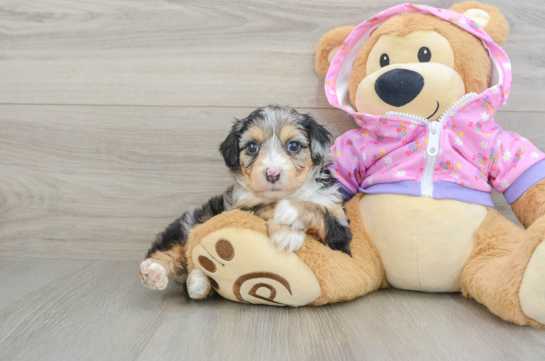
198, 285
166, 257
154, 271
328, 225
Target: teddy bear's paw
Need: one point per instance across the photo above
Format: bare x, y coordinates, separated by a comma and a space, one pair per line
153, 275
198, 285
532, 288
285, 237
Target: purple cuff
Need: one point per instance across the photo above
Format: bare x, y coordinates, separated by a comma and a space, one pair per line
347, 195
526, 180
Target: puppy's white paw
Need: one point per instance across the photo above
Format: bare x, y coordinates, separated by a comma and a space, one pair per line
153, 275
198, 285
287, 239
286, 213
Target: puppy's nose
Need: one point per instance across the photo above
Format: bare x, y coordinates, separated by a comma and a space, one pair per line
273, 174
398, 87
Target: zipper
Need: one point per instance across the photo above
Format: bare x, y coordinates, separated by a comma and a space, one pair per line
434, 139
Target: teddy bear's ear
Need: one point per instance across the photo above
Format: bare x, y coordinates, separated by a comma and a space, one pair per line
487, 17
328, 46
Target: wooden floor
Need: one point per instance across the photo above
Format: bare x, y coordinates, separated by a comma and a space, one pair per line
111, 113
98, 310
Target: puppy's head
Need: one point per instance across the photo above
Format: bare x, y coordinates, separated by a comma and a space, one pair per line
275, 148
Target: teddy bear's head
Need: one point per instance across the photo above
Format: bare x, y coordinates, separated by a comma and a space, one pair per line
417, 63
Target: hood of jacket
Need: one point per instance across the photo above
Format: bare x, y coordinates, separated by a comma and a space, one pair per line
337, 79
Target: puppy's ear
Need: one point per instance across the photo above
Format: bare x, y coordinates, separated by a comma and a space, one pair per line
487, 17
328, 46
229, 147
320, 139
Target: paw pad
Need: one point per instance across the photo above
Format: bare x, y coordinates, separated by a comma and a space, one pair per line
153, 275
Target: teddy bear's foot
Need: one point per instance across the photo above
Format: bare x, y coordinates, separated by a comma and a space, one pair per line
532, 288
153, 275
198, 285
244, 265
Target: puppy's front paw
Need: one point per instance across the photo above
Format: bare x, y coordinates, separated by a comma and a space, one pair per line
286, 213
153, 275
285, 237
198, 285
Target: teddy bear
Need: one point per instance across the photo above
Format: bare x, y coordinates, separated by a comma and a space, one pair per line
423, 85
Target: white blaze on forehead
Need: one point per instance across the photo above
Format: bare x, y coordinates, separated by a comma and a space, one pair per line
274, 155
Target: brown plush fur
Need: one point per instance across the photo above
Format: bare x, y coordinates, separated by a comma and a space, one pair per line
497, 27
340, 276
330, 40
471, 59
494, 270
531, 205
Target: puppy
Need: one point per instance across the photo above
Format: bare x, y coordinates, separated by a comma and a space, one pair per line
279, 160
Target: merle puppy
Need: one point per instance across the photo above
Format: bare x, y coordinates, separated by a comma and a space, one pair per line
279, 160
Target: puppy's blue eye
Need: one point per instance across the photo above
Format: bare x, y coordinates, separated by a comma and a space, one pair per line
252, 148
294, 146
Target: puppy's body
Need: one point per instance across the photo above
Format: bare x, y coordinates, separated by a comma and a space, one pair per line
279, 160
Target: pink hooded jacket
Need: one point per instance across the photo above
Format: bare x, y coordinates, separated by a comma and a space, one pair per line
462, 156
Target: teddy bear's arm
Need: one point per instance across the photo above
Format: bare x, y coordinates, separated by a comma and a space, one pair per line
531, 205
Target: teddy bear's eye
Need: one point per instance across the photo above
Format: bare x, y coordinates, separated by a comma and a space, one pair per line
384, 60
424, 54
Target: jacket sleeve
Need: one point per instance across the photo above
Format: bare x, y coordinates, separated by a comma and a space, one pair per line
517, 166
347, 166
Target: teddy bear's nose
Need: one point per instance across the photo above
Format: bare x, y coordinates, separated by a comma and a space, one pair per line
398, 87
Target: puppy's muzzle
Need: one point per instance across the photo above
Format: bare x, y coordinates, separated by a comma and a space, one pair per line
273, 174
398, 87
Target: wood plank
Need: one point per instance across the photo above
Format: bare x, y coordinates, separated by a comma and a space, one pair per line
100, 311
83, 182
205, 53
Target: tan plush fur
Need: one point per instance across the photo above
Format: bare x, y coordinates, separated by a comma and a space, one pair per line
342, 277
497, 26
531, 205
495, 268
329, 41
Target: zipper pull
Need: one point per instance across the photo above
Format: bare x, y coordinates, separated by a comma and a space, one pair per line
433, 139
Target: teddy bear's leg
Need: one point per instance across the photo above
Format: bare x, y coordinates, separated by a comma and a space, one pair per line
343, 277
235, 254
155, 271
500, 262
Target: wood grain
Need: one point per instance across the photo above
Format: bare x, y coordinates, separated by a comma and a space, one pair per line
205, 53
86, 182
111, 113
82, 310
95, 182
